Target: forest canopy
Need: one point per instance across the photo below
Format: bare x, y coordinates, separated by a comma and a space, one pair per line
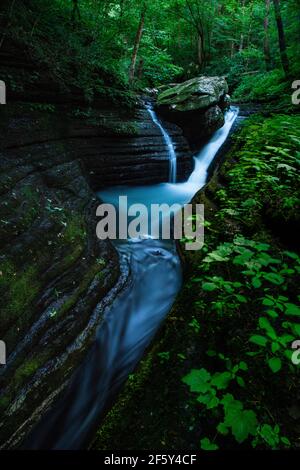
95, 43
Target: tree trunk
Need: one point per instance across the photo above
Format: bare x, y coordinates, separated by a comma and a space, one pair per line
75, 11
200, 50
281, 37
241, 47
137, 45
267, 51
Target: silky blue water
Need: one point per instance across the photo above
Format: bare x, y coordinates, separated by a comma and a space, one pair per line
130, 323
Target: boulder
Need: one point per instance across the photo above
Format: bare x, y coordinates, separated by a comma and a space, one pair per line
195, 94
196, 106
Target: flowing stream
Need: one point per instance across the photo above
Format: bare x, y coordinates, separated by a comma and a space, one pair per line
134, 317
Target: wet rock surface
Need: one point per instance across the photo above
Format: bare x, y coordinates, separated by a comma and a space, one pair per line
56, 277
196, 106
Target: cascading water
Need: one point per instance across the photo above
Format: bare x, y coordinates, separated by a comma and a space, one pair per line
133, 319
169, 143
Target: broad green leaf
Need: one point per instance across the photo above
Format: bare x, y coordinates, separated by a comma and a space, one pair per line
258, 339
222, 429
209, 286
221, 379
272, 313
256, 282
243, 365
268, 302
265, 324
206, 444
275, 364
275, 347
240, 381
274, 278
292, 309
197, 380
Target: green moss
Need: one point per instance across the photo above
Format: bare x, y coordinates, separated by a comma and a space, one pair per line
27, 370
18, 287
75, 228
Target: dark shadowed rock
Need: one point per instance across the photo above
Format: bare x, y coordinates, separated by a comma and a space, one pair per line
56, 277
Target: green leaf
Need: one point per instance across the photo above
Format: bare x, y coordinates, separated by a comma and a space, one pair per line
221, 380
243, 365
272, 313
268, 302
222, 429
256, 282
262, 246
242, 422
269, 435
275, 364
292, 309
274, 278
285, 441
292, 255
209, 286
240, 381
243, 426
275, 347
206, 444
197, 380
265, 324
295, 328
258, 339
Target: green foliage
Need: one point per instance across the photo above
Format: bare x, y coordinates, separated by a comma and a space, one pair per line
246, 291
92, 49
266, 175
263, 86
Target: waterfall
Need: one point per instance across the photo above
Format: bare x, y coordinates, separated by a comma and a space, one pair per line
169, 143
131, 321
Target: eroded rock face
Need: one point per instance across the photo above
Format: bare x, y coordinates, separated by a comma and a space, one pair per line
196, 106
128, 148
56, 277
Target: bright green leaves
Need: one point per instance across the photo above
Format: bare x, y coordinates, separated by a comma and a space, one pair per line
241, 422
258, 276
206, 444
259, 340
197, 380
292, 309
274, 278
270, 436
221, 380
275, 364
277, 343
210, 388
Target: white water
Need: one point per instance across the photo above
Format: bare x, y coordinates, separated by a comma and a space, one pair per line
169, 143
132, 320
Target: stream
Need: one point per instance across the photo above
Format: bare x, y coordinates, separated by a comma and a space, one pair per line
132, 320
